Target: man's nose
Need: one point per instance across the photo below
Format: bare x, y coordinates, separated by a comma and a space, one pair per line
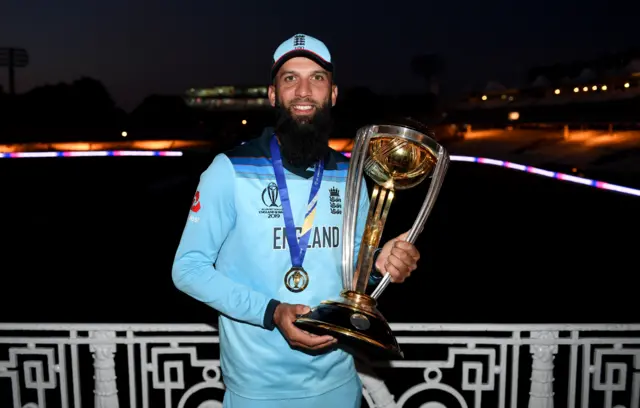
303, 89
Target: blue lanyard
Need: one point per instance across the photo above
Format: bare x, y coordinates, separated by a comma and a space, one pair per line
296, 249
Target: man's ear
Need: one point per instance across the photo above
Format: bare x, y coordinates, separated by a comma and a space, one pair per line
271, 92
334, 94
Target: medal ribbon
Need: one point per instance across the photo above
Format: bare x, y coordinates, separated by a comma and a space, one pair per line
296, 249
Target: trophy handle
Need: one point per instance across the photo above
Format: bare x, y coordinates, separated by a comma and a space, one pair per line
429, 201
353, 186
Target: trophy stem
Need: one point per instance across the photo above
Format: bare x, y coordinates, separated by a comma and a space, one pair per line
381, 199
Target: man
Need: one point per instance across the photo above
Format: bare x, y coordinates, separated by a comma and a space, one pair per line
239, 244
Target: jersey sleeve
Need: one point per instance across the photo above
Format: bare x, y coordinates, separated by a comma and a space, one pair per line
211, 217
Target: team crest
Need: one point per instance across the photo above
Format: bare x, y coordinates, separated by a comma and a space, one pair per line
335, 202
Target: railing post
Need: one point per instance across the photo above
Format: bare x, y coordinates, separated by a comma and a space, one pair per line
542, 355
377, 389
104, 365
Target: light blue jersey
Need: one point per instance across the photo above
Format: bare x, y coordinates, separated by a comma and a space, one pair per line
233, 256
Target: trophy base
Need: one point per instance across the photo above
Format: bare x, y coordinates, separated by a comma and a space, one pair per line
356, 323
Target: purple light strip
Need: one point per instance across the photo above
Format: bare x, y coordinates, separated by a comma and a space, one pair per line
97, 153
551, 174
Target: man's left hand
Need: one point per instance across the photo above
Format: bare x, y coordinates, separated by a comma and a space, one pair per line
398, 258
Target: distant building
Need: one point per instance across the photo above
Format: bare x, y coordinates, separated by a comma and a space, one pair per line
228, 97
611, 77
601, 90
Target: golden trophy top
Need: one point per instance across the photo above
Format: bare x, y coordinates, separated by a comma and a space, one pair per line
400, 157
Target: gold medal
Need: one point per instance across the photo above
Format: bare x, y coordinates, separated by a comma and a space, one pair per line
296, 280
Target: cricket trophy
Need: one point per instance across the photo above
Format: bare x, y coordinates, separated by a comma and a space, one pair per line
395, 157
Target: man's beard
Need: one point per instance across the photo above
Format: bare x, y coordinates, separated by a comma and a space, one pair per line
303, 141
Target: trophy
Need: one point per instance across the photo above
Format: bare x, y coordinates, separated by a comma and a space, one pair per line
396, 158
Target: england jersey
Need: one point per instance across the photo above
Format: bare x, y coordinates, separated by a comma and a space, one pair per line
233, 256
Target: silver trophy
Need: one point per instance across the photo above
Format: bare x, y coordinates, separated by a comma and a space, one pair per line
396, 158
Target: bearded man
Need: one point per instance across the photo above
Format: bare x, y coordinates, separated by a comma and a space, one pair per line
262, 241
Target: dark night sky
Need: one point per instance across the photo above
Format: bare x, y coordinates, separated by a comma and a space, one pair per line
161, 46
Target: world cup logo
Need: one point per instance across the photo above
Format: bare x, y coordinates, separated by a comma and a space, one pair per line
270, 195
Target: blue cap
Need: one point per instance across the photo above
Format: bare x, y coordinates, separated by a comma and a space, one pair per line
302, 45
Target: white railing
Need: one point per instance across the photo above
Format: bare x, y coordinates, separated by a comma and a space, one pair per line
465, 365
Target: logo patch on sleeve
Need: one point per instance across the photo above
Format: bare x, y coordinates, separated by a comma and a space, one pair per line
195, 205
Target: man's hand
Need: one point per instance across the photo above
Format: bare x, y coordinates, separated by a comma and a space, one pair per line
398, 258
284, 316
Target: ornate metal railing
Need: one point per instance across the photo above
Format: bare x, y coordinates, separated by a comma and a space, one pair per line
465, 365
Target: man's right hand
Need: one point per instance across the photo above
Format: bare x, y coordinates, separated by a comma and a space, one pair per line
284, 316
